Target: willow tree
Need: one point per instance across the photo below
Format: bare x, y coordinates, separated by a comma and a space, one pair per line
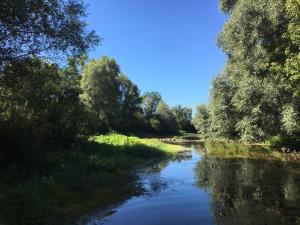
261, 41
100, 88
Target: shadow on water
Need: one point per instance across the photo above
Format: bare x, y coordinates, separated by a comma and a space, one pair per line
145, 181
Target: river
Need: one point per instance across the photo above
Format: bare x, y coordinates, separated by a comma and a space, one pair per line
198, 189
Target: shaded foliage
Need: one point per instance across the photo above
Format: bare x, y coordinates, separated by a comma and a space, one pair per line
150, 103
165, 116
183, 116
39, 103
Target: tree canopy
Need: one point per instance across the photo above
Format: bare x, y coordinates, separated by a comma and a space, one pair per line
256, 96
43, 28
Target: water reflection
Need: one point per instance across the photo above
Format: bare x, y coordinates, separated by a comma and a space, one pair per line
199, 188
251, 191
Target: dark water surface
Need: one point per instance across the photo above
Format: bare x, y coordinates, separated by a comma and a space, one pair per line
197, 189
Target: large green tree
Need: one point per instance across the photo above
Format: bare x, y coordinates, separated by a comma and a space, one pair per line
201, 121
130, 116
221, 111
183, 116
166, 118
39, 104
108, 93
100, 86
150, 103
257, 95
43, 28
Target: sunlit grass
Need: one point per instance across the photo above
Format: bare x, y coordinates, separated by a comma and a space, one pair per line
134, 145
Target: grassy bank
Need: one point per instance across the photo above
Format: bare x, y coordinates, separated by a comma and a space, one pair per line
56, 186
232, 149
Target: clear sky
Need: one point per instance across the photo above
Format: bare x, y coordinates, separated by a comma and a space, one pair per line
167, 46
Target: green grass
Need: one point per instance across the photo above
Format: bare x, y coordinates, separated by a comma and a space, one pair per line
239, 150
138, 147
57, 186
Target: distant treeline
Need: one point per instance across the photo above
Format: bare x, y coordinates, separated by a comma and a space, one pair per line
257, 96
50, 93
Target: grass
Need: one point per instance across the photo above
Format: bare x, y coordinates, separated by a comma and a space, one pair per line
57, 186
238, 150
133, 145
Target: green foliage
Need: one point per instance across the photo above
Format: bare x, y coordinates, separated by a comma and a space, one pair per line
155, 125
227, 5
43, 27
221, 111
111, 95
183, 116
166, 118
256, 97
161, 119
288, 142
130, 105
150, 103
46, 176
201, 121
291, 68
291, 120
101, 91
38, 104
257, 103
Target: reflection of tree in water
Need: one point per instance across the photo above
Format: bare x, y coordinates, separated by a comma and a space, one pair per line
154, 182
248, 191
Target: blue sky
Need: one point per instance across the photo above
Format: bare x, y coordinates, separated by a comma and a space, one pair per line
167, 46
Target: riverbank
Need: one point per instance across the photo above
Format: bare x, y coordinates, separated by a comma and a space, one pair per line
249, 151
269, 150
57, 186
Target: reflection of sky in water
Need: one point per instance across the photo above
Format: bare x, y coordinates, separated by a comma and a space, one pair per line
200, 191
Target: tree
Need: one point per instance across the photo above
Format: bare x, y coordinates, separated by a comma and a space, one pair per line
227, 5
43, 28
130, 105
150, 103
166, 118
292, 53
221, 110
183, 116
101, 92
291, 120
39, 104
201, 121
258, 104
257, 94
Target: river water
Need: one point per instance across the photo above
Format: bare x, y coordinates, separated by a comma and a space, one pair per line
198, 189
